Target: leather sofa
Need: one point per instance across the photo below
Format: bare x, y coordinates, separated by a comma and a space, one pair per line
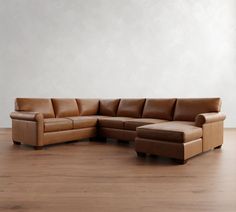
175, 128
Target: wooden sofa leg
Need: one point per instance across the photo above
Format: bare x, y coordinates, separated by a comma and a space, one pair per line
93, 139
218, 147
102, 139
122, 141
180, 161
17, 142
38, 147
153, 156
98, 138
141, 154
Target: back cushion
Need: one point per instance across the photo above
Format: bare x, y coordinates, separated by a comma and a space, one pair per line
159, 108
108, 107
43, 106
187, 109
130, 108
65, 107
88, 107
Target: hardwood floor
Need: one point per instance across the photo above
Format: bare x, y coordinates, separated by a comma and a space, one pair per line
107, 177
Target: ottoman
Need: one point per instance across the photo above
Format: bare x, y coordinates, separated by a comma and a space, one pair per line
179, 140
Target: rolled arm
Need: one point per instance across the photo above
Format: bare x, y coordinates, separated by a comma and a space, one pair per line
204, 118
28, 116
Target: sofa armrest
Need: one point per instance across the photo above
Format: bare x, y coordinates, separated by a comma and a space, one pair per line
27, 116
204, 118
27, 127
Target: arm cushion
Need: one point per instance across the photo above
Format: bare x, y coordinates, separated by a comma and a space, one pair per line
28, 116
204, 118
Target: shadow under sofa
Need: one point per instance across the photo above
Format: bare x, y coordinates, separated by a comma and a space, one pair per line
175, 128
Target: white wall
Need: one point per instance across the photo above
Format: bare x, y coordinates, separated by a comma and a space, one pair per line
117, 48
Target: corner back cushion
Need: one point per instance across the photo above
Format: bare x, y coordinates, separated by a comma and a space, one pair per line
130, 108
187, 109
43, 106
88, 107
108, 107
159, 108
65, 107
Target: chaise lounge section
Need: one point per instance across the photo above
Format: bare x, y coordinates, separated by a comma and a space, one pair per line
175, 128
197, 127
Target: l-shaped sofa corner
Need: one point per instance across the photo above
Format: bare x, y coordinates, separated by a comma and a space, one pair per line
176, 128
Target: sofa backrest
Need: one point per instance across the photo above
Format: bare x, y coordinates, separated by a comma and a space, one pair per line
40, 105
159, 108
130, 108
108, 107
184, 109
187, 109
65, 107
88, 107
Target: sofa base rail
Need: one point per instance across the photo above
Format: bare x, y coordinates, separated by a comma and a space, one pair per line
180, 151
69, 135
119, 134
55, 137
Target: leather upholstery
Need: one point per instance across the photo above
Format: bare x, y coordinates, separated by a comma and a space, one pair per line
113, 122
181, 151
28, 116
213, 134
188, 109
108, 107
57, 124
69, 135
83, 121
204, 118
175, 131
65, 107
134, 123
28, 132
159, 108
39, 105
88, 107
126, 135
130, 108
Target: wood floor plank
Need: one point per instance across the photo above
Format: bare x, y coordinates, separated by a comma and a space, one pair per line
92, 176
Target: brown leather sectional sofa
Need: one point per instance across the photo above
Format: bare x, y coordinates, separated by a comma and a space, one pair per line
175, 128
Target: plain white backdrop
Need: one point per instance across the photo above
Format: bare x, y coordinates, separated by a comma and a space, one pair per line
117, 48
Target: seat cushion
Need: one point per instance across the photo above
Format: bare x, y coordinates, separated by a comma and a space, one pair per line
130, 108
134, 123
65, 107
108, 107
159, 108
84, 121
57, 124
113, 122
188, 109
88, 107
43, 106
174, 131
